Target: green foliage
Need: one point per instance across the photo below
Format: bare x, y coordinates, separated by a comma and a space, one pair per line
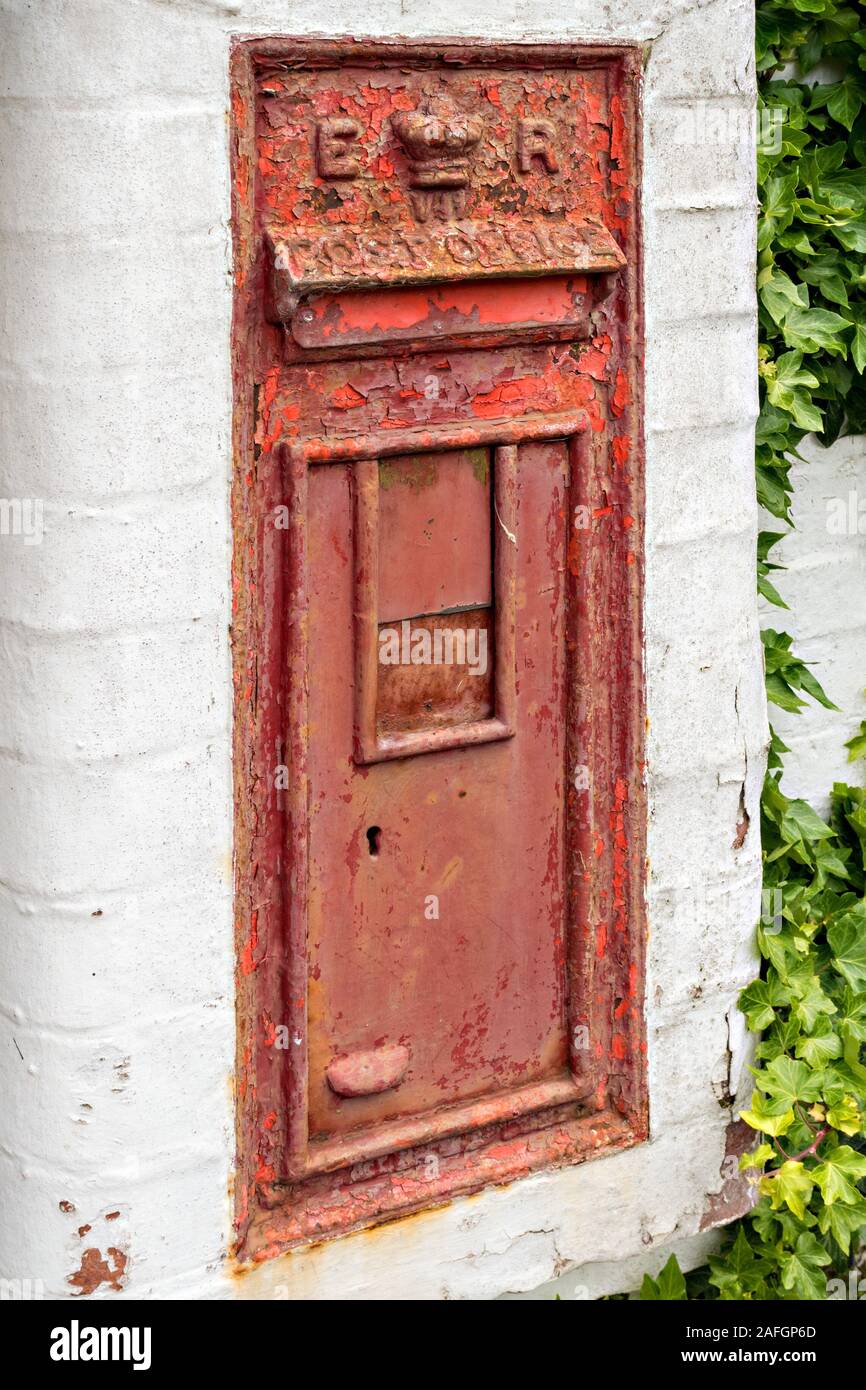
669, 1287
811, 232
808, 1104
786, 674
809, 1098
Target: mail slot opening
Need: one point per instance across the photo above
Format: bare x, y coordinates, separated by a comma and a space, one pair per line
436, 629
544, 307
434, 602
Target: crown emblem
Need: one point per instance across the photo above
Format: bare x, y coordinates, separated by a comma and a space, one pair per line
437, 139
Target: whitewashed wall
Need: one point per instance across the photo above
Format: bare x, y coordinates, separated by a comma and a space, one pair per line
115, 810
825, 589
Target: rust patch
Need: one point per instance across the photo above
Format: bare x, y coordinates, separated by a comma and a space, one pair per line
743, 822
97, 1269
737, 1195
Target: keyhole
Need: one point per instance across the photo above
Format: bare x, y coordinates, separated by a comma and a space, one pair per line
374, 839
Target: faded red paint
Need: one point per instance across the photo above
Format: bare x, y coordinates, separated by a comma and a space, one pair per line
437, 315
490, 311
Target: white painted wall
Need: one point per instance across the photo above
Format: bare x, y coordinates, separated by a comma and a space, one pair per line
825, 589
117, 1029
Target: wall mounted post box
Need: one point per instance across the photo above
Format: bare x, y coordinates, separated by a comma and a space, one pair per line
438, 516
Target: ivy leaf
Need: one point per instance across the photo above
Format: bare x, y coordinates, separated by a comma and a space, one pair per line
777, 207
791, 372
810, 6
810, 1001
780, 693
824, 273
766, 541
852, 1016
786, 673
837, 1175
796, 240
858, 347
821, 1047
768, 1116
809, 53
738, 1271
845, 103
756, 1159
857, 745
813, 329
766, 31
669, 1287
841, 1221
856, 819
760, 1000
830, 862
788, 1080
779, 295
800, 822
801, 1270
845, 1115
852, 236
847, 938
790, 1186
770, 592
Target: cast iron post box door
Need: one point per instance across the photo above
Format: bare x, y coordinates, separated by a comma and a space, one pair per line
438, 622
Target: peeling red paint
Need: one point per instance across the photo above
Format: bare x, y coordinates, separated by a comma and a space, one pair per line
347, 398
621, 447
620, 395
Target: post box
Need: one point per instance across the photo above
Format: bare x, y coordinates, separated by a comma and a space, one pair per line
438, 520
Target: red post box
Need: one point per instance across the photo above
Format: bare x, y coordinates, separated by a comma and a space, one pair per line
438, 520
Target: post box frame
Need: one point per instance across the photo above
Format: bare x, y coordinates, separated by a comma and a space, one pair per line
282, 1196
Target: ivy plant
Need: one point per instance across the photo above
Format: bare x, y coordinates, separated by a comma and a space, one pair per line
809, 1004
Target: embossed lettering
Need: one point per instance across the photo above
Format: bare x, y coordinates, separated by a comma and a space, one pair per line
338, 251
376, 252
461, 248
416, 246
493, 246
536, 138
522, 242
335, 136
